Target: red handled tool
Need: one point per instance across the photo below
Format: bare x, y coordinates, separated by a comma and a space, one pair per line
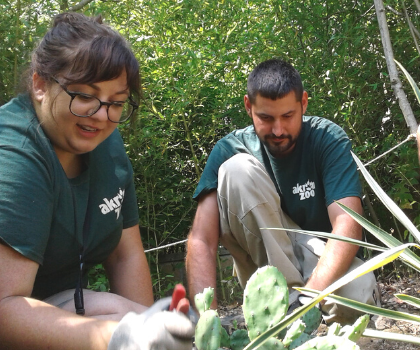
178, 294
179, 302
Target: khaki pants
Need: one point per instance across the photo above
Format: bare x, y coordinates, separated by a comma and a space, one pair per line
101, 305
249, 201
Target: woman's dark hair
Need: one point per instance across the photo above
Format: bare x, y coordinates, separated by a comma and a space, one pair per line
274, 79
82, 50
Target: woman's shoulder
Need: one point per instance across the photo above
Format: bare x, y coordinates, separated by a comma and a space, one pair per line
19, 126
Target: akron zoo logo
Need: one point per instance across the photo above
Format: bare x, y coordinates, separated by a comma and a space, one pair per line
305, 191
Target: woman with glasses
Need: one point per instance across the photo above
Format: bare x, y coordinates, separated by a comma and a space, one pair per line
67, 202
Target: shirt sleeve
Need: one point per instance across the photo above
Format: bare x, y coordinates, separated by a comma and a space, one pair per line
209, 177
130, 209
26, 201
339, 171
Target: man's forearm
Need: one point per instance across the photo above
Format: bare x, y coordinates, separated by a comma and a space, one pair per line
201, 269
131, 279
334, 263
337, 256
31, 324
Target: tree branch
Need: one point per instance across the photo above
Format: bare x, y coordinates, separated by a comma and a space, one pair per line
411, 26
409, 21
80, 5
417, 4
392, 68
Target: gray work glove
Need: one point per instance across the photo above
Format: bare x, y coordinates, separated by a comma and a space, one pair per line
302, 299
155, 328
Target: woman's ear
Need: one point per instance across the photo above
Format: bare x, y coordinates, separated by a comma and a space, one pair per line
39, 87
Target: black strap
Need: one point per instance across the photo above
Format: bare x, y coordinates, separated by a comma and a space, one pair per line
79, 302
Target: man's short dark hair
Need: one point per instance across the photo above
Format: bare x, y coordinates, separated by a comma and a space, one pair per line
274, 79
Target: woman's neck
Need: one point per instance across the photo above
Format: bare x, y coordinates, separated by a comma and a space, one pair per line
72, 164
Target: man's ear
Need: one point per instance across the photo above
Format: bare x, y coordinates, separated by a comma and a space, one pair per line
248, 105
304, 102
39, 87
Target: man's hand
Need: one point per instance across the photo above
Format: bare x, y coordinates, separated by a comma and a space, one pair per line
302, 299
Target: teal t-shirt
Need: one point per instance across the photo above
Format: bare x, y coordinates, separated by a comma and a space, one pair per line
47, 217
319, 171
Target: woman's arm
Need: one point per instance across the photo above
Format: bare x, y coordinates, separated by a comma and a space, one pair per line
26, 323
128, 270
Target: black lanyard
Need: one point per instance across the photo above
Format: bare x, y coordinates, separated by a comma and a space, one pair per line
79, 302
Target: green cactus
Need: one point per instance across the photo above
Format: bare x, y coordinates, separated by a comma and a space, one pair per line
272, 344
294, 332
346, 340
225, 339
332, 342
266, 299
334, 329
208, 332
265, 304
355, 332
239, 339
203, 300
312, 319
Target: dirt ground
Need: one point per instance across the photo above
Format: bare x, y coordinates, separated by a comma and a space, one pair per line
232, 314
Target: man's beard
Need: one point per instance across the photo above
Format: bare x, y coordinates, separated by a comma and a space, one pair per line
277, 149
282, 149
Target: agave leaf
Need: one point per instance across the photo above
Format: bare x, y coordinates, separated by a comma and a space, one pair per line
333, 236
388, 202
369, 309
409, 299
391, 336
370, 265
411, 80
407, 256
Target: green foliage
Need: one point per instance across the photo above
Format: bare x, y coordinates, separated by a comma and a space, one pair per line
98, 281
195, 58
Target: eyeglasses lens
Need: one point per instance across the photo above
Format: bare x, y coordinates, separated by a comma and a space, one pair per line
84, 106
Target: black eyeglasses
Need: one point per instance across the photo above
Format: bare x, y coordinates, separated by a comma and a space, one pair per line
85, 105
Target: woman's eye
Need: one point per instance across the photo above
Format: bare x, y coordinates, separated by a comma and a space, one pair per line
85, 98
118, 103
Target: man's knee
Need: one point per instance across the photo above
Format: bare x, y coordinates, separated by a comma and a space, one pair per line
238, 171
363, 289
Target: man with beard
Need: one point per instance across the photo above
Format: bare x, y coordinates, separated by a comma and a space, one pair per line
285, 171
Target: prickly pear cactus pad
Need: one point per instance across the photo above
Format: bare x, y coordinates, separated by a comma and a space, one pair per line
208, 332
239, 339
266, 299
355, 332
331, 342
272, 344
203, 300
312, 320
294, 332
